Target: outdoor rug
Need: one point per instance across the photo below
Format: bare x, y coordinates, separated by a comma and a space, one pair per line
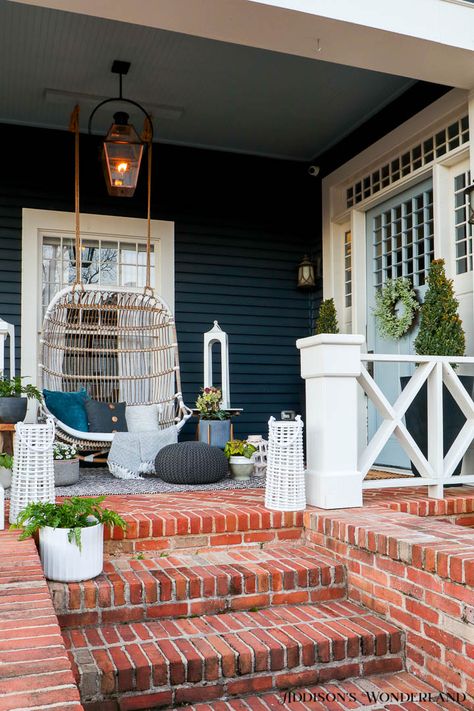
97, 481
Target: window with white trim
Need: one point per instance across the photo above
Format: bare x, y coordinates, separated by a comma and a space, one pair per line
421, 154
106, 262
348, 268
463, 230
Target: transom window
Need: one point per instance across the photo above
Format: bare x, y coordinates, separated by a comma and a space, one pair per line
104, 262
463, 230
403, 243
423, 153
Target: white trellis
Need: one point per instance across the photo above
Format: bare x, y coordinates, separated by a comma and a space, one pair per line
333, 367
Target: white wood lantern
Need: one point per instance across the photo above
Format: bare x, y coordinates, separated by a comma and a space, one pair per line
7, 330
217, 335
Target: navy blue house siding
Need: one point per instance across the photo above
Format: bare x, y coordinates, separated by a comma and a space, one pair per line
237, 247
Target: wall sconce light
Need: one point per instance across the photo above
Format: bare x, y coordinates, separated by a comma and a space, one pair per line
308, 272
123, 147
469, 191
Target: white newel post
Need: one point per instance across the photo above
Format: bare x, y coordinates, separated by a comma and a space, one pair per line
330, 365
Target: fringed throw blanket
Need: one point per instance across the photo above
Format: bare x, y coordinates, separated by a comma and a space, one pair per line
134, 453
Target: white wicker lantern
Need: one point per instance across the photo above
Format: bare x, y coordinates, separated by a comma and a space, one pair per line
33, 466
285, 486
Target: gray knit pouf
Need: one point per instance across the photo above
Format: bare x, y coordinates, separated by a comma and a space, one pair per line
191, 463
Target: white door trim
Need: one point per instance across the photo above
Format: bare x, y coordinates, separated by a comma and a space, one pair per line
36, 222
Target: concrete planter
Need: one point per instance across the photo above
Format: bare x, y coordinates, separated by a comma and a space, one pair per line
5, 477
214, 432
241, 468
66, 472
65, 562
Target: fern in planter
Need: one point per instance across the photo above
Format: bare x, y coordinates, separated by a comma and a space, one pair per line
327, 318
74, 514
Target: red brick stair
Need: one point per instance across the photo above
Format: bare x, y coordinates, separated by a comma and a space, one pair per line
148, 665
172, 522
185, 585
396, 692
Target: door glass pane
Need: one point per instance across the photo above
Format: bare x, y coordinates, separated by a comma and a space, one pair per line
405, 251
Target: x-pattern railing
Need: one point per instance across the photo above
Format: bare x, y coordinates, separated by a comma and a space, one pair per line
435, 469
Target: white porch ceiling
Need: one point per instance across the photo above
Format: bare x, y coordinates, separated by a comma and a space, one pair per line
430, 40
203, 92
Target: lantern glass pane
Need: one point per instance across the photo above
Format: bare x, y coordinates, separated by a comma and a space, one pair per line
123, 152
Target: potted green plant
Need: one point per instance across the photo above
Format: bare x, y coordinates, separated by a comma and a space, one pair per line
66, 464
6, 466
214, 422
441, 333
240, 455
12, 404
326, 321
71, 536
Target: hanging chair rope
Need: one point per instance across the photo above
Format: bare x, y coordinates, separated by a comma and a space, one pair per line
74, 127
147, 137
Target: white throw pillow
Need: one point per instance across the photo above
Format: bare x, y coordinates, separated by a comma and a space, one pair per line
142, 418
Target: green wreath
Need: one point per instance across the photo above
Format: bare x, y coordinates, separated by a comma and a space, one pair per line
391, 324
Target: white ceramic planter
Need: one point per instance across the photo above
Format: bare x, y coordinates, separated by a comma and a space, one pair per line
64, 562
241, 468
5, 477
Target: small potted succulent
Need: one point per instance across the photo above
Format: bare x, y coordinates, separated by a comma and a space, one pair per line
12, 404
214, 423
66, 464
71, 536
240, 455
6, 466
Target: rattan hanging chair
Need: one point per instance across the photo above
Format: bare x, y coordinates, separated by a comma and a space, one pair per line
119, 344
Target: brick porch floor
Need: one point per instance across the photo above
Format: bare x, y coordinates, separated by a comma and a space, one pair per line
398, 566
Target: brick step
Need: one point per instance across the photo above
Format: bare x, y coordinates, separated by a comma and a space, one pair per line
197, 521
184, 585
390, 691
167, 663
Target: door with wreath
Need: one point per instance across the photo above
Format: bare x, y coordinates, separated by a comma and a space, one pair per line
400, 243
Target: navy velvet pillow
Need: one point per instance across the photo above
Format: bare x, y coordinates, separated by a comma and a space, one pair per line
106, 416
68, 407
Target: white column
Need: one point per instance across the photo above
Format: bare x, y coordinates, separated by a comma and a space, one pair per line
330, 364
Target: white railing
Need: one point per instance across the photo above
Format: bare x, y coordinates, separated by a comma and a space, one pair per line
436, 469
333, 368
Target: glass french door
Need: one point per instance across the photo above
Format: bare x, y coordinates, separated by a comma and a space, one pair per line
400, 243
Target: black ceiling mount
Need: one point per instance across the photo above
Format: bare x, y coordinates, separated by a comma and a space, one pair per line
119, 67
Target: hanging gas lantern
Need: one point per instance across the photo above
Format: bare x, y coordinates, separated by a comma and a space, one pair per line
122, 155
306, 275
123, 148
